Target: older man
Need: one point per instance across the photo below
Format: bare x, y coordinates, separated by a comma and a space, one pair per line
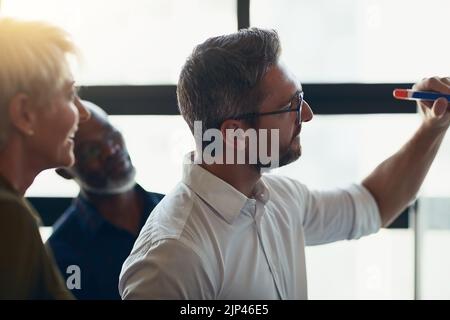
229, 232
96, 233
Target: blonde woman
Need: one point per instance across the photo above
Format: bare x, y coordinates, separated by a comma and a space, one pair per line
39, 115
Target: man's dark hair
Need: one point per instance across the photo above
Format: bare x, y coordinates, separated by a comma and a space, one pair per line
221, 78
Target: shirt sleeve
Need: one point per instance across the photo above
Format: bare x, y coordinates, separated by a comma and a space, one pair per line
28, 270
340, 214
170, 269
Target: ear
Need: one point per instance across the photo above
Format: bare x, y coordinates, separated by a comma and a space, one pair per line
22, 114
236, 140
63, 172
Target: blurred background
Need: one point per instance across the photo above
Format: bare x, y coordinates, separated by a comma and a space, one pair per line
348, 54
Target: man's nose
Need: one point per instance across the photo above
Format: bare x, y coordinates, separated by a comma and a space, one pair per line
110, 148
307, 113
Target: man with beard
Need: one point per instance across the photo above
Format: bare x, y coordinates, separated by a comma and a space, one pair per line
96, 233
229, 232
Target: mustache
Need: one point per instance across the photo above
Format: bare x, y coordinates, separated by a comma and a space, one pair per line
297, 131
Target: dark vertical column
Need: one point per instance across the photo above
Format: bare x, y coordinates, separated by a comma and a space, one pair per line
243, 14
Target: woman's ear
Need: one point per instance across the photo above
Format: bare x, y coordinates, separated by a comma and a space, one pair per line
22, 115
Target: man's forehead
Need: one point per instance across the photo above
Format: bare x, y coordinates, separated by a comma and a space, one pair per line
290, 76
95, 109
90, 129
280, 82
98, 123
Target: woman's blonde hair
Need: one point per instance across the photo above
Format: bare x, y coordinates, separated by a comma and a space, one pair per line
33, 61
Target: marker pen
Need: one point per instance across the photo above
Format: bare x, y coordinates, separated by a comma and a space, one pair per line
406, 94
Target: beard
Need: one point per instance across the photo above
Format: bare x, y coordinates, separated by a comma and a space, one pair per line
293, 152
287, 155
110, 186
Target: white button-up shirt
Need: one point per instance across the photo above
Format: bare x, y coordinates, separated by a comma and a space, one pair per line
207, 240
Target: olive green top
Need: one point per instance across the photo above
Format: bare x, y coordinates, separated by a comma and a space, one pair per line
27, 268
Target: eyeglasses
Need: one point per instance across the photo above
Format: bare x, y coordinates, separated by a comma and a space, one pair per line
297, 100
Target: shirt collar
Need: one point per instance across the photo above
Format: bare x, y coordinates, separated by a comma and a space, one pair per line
93, 220
261, 192
88, 214
220, 195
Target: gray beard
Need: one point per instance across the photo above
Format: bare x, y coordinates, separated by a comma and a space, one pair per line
287, 158
112, 187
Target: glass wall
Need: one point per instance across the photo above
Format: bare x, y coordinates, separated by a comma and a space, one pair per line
359, 40
132, 42
433, 247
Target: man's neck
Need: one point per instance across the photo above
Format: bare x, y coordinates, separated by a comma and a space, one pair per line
123, 210
242, 177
